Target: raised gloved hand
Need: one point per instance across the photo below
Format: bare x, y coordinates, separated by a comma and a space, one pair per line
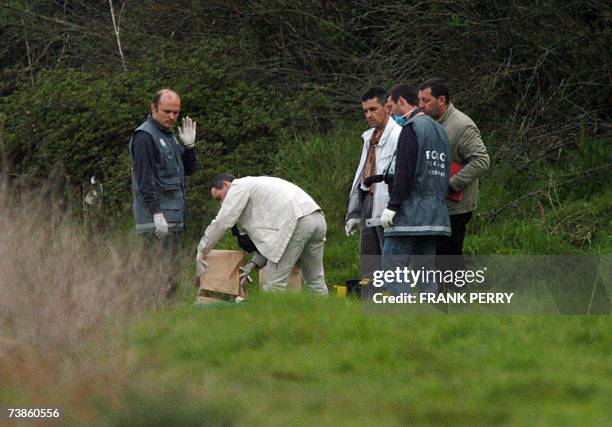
245, 272
386, 218
161, 226
187, 132
351, 226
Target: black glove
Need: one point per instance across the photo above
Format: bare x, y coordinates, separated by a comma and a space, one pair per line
245, 242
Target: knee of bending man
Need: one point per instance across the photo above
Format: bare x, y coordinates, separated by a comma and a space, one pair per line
319, 289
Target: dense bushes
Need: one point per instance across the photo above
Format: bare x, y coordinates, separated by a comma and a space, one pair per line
534, 76
74, 124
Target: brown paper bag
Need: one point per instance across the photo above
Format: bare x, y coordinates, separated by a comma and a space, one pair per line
221, 279
294, 282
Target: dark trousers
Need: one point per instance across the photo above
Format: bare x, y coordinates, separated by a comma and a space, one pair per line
167, 250
371, 240
450, 248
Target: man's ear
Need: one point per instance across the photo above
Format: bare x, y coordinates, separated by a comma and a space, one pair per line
153, 108
443, 97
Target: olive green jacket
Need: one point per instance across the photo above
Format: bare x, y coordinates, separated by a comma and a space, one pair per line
466, 148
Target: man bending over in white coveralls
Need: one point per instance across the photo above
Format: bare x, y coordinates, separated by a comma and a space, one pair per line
285, 224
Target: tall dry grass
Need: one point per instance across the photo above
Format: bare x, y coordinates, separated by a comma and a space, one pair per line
65, 290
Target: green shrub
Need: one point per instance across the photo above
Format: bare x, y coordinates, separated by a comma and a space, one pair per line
74, 124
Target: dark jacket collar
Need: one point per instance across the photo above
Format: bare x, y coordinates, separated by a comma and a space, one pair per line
414, 113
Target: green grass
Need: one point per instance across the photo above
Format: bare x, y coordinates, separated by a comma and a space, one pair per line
301, 360
552, 207
279, 360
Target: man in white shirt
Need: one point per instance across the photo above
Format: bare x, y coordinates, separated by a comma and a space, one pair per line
368, 199
285, 224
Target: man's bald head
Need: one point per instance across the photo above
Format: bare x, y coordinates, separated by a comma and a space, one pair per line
165, 107
164, 93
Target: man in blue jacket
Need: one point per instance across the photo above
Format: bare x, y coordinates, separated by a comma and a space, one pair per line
159, 166
416, 213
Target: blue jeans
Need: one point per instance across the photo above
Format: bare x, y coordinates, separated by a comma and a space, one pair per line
415, 252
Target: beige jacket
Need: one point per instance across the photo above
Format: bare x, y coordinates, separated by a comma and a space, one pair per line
267, 208
466, 148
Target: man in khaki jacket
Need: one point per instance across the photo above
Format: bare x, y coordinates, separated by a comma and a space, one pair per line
285, 224
468, 150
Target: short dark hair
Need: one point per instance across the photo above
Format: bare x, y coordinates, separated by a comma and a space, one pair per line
375, 92
409, 93
217, 180
438, 88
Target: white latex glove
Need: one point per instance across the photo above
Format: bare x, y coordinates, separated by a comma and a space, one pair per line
187, 133
245, 272
351, 226
161, 226
387, 218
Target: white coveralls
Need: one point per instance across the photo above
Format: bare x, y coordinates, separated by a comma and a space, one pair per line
285, 224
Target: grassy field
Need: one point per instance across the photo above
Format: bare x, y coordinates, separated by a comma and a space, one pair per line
123, 358
300, 360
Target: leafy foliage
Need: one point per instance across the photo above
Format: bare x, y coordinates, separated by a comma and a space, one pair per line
253, 73
74, 124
